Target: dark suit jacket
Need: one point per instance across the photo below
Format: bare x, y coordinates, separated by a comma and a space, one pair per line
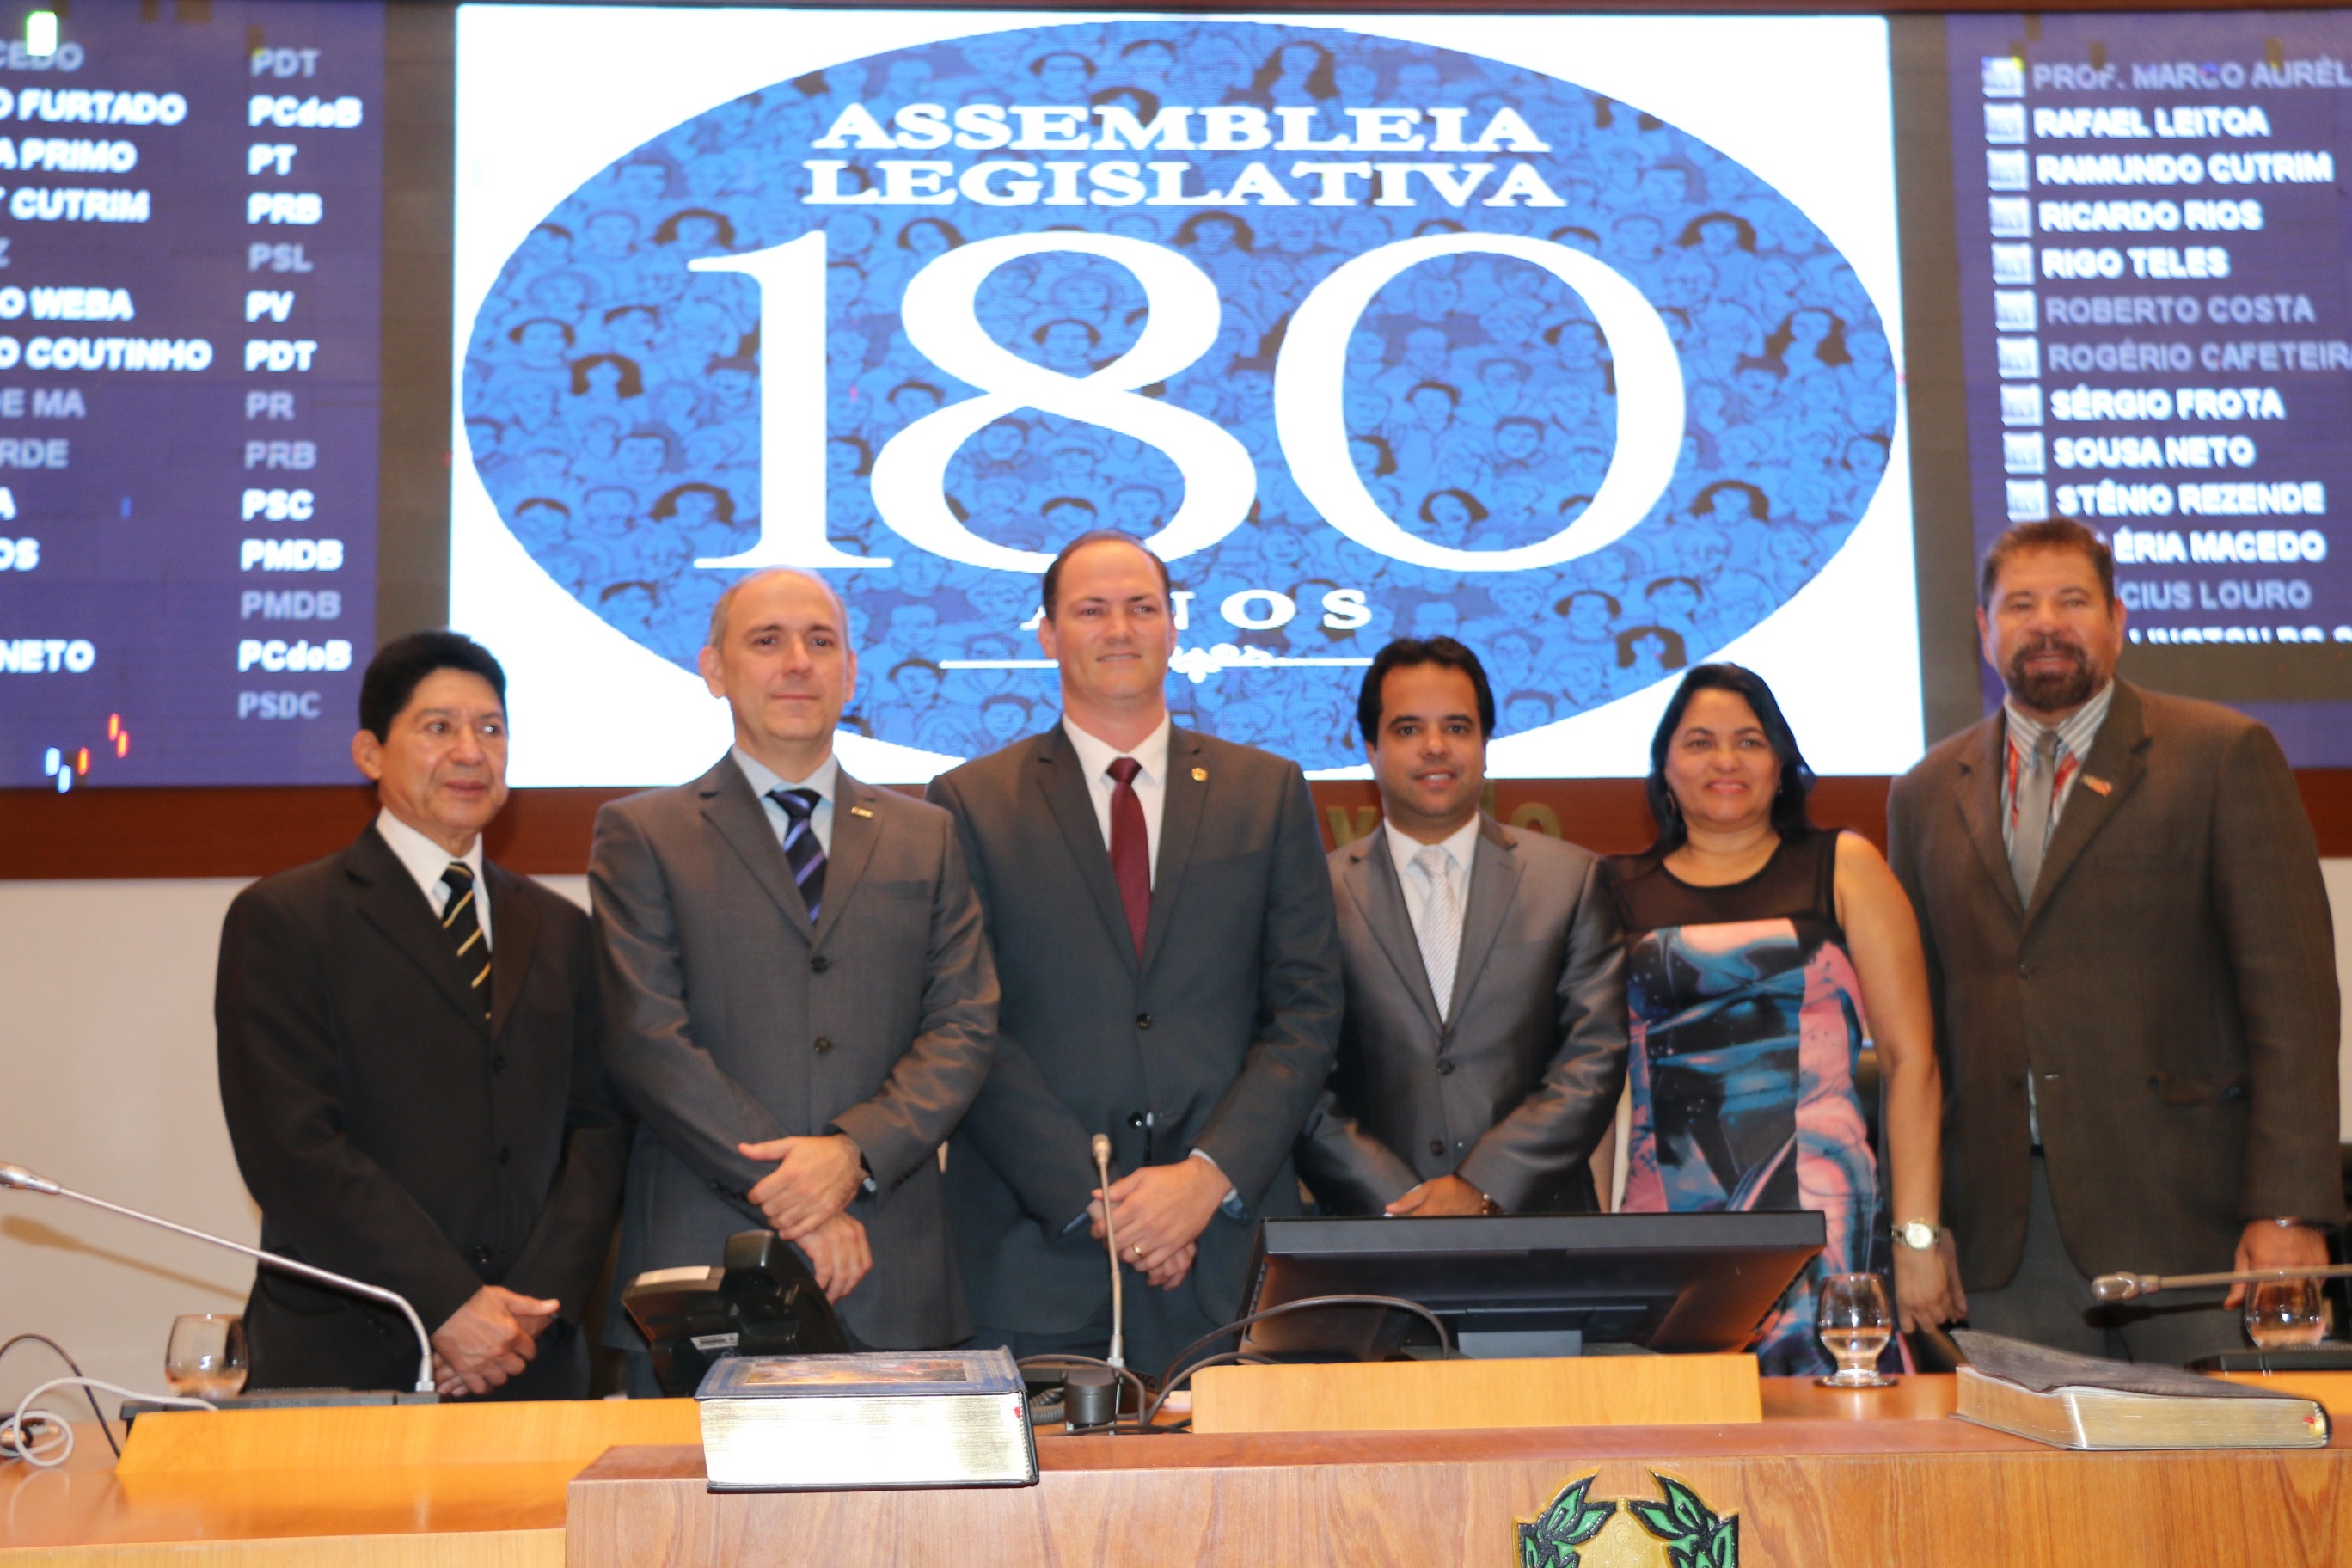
1513, 1091
387, 1130
735, 1020
1219, 1039
2172, 989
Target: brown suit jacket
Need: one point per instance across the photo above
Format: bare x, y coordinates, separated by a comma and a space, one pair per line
2171, 987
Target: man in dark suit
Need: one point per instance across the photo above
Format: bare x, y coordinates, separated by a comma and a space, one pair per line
800, 993
1483, 1048
409, 1042
1162, 924
2128, 945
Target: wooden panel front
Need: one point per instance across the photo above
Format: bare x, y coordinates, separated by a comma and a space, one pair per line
1454, 1395
1815, 1494
381, 1436
460, 1485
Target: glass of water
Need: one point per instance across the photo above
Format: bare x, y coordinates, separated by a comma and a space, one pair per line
2284, 1313
1856, 1321
206, 1357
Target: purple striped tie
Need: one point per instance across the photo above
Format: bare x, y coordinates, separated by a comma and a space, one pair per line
801, 848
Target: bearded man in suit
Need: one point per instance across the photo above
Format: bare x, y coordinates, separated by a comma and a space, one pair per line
2134, 978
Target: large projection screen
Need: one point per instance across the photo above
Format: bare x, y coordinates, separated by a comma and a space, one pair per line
1577, 338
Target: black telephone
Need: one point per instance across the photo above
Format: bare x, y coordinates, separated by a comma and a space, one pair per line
760, 1301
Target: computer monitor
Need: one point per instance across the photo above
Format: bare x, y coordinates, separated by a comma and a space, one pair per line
1532, 1284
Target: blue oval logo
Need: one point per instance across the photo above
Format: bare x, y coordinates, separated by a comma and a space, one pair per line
1367, 338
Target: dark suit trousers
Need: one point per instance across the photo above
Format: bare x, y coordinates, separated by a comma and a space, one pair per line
2050, 1303
356, 1347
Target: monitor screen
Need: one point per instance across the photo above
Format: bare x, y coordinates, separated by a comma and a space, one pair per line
1528, 1285
2153, 299
1576, 338
189, 312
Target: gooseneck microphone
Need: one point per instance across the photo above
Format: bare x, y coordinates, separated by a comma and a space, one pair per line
1117, 1357
25, 1181
2130, 1287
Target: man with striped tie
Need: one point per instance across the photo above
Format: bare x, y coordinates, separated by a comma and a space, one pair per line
801, 1003
408, 1042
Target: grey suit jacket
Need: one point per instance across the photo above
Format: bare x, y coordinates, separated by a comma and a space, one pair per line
732, 1020
2171, 987
1513, 1091
1219, 1039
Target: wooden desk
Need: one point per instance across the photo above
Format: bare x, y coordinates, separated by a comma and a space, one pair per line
449, 1486
1826, 1478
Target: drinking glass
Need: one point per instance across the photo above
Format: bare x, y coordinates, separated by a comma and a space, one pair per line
2281, 1313
1855, 1320
206, 1357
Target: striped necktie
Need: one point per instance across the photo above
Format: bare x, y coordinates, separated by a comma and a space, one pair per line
806, 855
463, 920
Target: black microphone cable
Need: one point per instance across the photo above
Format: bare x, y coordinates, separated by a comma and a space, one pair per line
1174, 1376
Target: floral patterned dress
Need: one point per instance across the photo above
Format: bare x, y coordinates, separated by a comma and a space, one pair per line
1746, 1026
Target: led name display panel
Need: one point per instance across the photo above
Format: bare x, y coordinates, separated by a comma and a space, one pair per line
190, 220
1575, 337
2154, 295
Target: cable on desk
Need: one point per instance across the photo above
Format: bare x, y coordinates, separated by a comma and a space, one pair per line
71, 1365
1058, 1360
1444, 1340
1239, 1358
32, 1451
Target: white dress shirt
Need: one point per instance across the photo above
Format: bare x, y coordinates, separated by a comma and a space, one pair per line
426, 860
824, 781
1094, 757
2076, 733
1460, 845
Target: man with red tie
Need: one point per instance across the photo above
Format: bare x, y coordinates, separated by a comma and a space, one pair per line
1171, 970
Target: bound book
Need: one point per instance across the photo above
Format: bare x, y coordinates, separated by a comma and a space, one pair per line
825, 1423
2084, 1402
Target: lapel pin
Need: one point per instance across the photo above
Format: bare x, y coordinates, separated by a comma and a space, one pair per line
1200, 775
861, 811
2101, 785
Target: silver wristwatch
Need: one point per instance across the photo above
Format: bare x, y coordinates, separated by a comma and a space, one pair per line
1918, 1235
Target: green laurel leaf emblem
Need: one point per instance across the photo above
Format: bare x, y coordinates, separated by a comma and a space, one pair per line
1695, 1535
1551, 1541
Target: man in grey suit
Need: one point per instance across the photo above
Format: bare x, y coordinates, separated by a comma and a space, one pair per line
2128, 947
1483, 1048
800, 996
1162, 924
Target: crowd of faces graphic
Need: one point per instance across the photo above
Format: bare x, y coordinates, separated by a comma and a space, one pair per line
612, 394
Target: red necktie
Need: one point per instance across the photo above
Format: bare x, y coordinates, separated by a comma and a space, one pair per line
1130, 848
